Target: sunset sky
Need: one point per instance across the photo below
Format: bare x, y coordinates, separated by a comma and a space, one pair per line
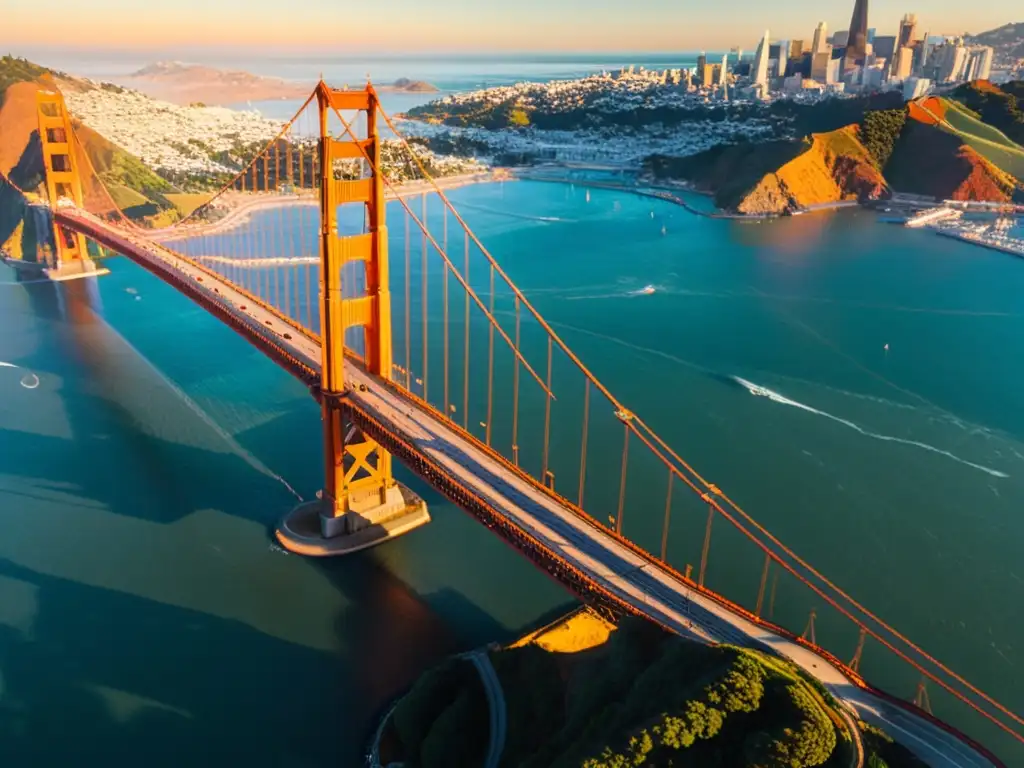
395, 26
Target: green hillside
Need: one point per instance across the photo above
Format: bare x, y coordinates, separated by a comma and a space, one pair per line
999, 106
985, 139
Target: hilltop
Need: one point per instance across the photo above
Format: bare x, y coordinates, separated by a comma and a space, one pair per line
1007, 40
934, 147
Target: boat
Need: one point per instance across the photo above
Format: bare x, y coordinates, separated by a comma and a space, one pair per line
646, 290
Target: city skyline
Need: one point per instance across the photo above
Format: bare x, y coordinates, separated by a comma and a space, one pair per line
531, 26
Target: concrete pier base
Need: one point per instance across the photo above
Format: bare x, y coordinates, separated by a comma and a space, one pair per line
75, 270
307, 530
72, 271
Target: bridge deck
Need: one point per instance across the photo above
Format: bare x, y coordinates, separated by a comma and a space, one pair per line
553, 527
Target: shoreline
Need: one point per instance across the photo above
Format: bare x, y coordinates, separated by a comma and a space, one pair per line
241, 205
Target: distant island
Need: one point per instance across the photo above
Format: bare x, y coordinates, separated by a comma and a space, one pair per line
406, 85
186, 84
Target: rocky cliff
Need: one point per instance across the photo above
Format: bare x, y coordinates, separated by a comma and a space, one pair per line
779, 176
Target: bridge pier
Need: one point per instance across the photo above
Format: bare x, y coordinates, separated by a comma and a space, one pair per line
312, 528
361, 505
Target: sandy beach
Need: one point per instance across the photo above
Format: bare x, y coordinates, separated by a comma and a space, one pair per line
241, 205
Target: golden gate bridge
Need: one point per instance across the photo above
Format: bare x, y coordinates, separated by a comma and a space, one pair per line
387, 392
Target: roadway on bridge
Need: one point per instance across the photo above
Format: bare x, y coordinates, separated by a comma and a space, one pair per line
649, 588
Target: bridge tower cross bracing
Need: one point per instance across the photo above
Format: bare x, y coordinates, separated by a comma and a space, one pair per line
63, 183
361, 504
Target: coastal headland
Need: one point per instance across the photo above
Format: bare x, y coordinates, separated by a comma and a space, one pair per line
588, 691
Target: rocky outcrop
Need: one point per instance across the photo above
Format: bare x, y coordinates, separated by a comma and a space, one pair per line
835, 167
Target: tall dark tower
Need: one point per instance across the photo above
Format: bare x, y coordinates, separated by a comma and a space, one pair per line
856, 46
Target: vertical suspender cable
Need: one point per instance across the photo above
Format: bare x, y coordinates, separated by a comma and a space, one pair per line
622, 479
465, 347
668, 517
547, 419
490, 366
583, 442
408, 309
707, 545
515, 394
426, 328
444, 291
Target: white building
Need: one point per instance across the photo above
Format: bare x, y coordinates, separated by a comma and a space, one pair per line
979, 63
950, 60
820, 38
915, 87
783, 58
760, 68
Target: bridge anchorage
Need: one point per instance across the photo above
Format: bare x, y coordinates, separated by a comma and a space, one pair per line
361, 505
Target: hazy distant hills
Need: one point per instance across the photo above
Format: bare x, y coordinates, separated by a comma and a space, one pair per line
186, 84
1007, 40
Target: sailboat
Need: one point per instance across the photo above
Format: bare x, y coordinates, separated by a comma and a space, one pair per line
588, 195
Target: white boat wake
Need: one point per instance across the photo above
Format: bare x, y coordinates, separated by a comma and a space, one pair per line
760, 391
647, 290
28, 381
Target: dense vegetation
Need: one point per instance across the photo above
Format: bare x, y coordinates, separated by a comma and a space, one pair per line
832, 114
879, 130
999, 106
645, 698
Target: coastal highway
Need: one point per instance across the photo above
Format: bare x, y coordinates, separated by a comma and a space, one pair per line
632, 579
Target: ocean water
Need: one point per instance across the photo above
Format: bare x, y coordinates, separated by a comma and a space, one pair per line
147, 451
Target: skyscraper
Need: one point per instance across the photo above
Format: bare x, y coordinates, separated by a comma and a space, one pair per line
783, 58
760, 70
724, 72
820, 38
857, 44
907, 29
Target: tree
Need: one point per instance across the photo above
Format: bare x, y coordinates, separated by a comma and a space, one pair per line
879, 130
518, 118
807, 745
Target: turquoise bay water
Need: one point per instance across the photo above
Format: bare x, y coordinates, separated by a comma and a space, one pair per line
139, 590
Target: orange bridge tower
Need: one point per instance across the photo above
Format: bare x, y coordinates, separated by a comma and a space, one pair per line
63, 187
361, 504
